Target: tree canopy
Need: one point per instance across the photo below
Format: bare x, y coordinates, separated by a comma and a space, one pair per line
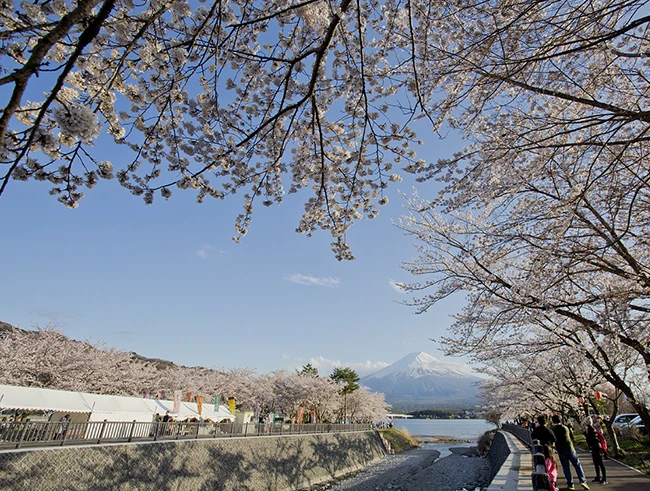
543, 220
274, 97
347, 377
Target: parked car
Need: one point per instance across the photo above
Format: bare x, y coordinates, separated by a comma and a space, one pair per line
623, 420
638, 423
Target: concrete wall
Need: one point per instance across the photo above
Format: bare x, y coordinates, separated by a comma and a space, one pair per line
243, 464
499, 452
514, 474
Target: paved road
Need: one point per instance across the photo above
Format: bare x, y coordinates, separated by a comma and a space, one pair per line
619, 476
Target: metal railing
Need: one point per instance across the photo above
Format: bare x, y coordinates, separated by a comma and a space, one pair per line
47, 434
539, 478
524, 434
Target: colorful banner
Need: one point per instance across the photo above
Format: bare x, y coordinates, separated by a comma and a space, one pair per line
217, 401
231, 404
188, 397
199, 404
301, 412
256, 413
177, 402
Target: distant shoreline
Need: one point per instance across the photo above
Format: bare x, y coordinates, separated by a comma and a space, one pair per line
436, 439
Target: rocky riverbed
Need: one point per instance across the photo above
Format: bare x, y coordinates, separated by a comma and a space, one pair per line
419, 470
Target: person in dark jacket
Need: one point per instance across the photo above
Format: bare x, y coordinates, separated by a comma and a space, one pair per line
567, 453
542, 433
596, 448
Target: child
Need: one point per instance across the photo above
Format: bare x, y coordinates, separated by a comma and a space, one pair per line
551, 466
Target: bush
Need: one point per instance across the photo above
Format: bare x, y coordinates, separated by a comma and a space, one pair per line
485, 442
399, 440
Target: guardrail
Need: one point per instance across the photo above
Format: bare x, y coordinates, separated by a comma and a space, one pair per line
524, 434
539, 477
48, 434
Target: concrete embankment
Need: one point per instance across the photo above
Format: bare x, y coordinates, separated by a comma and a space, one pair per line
243, 464
511, 464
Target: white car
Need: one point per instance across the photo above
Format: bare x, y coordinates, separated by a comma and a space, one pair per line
622, 420
639, 424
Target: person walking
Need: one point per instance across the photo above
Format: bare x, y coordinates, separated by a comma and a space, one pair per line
542, 433
567, 453
597, 450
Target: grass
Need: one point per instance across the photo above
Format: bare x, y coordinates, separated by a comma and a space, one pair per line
635, 454
400, 440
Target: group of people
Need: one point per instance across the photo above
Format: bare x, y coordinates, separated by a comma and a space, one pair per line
559, 437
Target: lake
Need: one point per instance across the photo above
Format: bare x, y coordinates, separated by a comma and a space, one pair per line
462, 429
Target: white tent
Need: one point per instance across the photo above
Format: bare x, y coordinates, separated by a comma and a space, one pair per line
189, 410
37, 399
118, 408
99, 407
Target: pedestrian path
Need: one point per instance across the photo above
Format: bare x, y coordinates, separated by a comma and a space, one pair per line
620, 477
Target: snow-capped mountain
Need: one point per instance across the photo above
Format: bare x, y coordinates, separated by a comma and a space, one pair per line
421, 380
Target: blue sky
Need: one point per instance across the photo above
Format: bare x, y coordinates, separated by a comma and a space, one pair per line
168, 281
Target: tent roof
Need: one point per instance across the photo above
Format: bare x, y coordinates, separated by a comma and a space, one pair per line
39, 399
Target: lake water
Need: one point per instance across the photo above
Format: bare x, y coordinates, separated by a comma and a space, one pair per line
462, 429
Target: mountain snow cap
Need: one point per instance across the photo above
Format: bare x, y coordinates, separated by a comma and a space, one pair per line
422, 364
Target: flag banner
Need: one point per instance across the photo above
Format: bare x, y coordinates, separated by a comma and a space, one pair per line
177, 402
188, 397
199, 404
256, 413
217, 401
301, 411
231, 404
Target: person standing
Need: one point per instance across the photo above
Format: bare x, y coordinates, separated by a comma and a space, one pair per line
567, 453
542, 433
601, 436
551, 466
597, 450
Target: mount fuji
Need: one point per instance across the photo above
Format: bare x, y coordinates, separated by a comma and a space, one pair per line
420, 380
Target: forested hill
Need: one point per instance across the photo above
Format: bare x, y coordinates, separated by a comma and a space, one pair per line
48, 358
5, 327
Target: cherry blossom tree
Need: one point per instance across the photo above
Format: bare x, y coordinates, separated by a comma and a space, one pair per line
47, 358
210, 96
273, 97
522, 280
549, 382
542, 220
310, 392
363, 405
